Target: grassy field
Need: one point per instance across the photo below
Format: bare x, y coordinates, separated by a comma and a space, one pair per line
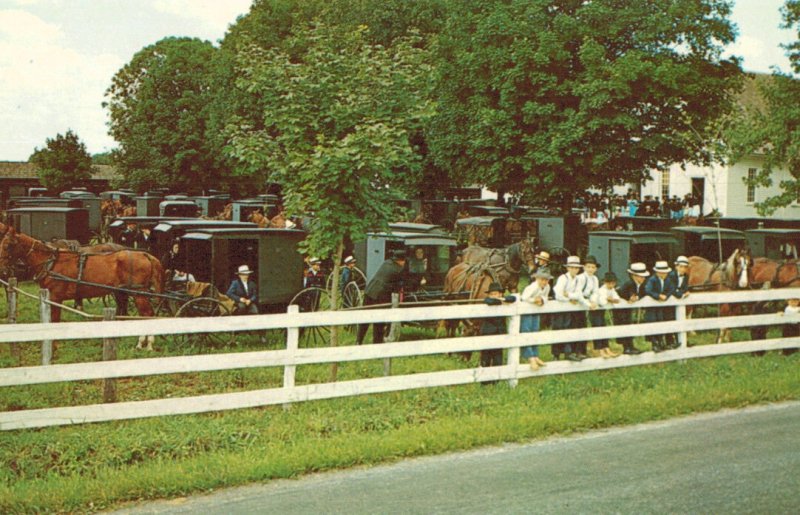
95, 466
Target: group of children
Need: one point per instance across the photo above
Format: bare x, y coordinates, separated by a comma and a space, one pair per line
580, 285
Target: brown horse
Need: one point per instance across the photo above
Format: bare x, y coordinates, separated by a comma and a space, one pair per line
479, 268
732, 274
71, 275
774, 274
257, 217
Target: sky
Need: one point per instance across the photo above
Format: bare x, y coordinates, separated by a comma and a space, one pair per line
57, 57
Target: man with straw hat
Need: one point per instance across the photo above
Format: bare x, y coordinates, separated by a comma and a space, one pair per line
242, 291
659, 289
631, 291
568, 289
535, 293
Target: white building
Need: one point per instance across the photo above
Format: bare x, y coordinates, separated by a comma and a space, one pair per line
722, 188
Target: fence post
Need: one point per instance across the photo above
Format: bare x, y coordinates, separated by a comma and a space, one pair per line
109, 354
11, 298
44, 316
680, 316
394, 335
292, 344
513, 352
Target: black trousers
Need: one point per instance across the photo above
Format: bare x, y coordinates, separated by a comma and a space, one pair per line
624, 317
378, 328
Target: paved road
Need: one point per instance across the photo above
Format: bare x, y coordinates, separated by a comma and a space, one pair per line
743, 461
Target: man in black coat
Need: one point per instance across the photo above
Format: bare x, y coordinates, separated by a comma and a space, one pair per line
387, 280
243, 292
631, 291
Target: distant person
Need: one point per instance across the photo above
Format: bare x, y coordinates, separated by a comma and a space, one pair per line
387, 280
243, 293
418, 268
348, 272
313, 277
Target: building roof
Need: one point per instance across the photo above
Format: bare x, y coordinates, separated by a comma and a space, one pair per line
25, 170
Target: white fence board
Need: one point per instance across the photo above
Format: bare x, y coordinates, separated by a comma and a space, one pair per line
293, 357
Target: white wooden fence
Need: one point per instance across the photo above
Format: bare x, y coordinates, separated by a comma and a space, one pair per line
293, 356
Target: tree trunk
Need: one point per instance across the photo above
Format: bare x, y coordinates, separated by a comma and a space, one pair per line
337, 260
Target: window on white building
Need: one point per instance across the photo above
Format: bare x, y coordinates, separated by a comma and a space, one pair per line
664, 185
751, 188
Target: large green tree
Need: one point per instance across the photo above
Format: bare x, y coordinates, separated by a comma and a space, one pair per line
269, 25
158, 105
63, 162
334, 129
546, 99
777, 125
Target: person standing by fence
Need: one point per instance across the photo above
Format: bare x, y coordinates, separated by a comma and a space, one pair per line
631, 291
590, 286
678, 280
493, 325
535, 293
607, 297
387, 280
658, 289
568, 289
792, 329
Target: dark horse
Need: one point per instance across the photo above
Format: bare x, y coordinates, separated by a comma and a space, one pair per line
479, 268
61, 271
729, 275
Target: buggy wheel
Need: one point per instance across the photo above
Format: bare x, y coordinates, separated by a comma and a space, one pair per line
310, 300
203, 307
358, 278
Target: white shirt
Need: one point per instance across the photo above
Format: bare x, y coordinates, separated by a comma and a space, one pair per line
568, 288
532, 291
606, 295
591, 284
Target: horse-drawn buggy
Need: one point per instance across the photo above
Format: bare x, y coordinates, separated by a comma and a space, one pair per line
178, 208
213, 255
615, 250
429, 256
52, 223
168, 231
774, 243
710, 242
91, 203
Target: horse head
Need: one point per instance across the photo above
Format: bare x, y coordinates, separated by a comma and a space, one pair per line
740, 263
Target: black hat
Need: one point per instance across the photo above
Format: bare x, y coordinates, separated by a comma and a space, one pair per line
590, 259
398, 254
610, 276
495, 287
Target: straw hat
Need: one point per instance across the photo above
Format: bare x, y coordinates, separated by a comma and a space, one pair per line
682, 260
661, 266
639, 269
574, 261
244, 270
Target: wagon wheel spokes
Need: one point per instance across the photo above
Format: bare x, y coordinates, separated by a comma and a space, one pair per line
352, 297
310, 300
357, 277
203, 307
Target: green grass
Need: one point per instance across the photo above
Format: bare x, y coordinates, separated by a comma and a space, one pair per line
96, 466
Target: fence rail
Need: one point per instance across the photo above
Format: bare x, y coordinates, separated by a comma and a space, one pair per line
293, 356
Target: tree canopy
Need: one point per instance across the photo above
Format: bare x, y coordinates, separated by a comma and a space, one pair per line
63, 162
545, 99
334, 128
158, 105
